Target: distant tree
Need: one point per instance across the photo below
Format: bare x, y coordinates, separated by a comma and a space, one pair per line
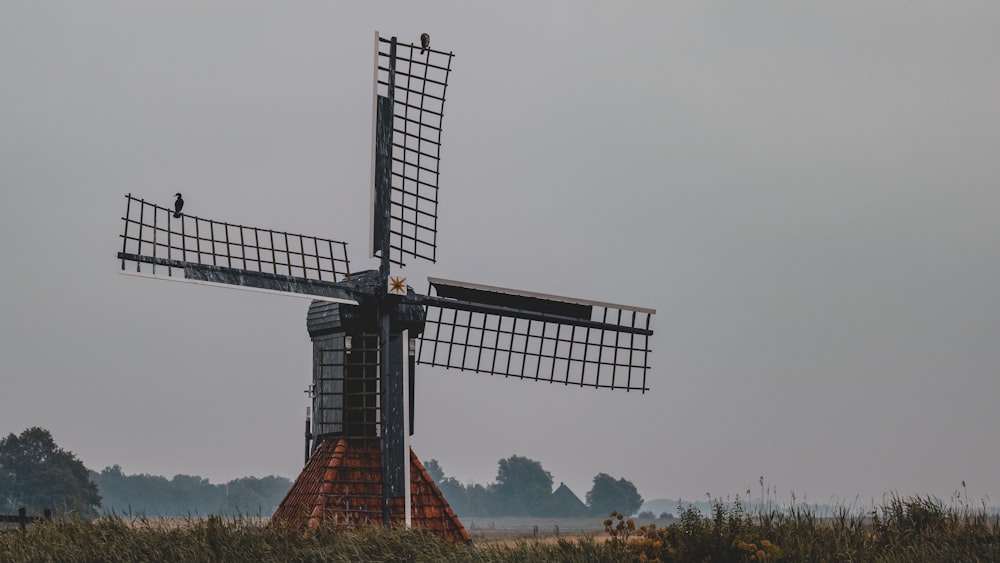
155, 495
609, 494
37, 474
111, 496
522, 488
456, 494
434, 470
479, 501
194, 494
254, 496
135, 494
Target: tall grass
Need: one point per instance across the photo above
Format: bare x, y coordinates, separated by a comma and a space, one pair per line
912, 529
113, 539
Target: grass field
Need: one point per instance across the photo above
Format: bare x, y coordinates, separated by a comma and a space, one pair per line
508, 528
913, 529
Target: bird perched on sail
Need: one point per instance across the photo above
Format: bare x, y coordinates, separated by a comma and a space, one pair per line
425, 42
178, 205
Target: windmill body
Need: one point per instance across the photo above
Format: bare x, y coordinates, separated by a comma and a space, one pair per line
370, 330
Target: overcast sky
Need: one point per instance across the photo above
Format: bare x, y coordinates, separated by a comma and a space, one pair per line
806, 192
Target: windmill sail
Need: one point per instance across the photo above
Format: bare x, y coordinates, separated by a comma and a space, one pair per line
209, 252
535, 336
410, 86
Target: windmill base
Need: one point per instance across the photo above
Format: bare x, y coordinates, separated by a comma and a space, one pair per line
341, 485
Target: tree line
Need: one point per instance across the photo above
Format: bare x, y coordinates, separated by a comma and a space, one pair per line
524, 488
37, 474
188, 494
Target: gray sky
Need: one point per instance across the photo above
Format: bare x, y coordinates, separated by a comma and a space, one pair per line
807, 194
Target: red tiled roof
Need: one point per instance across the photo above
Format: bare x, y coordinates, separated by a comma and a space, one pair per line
341, 485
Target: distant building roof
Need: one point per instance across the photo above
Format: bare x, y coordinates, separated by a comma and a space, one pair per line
566, 503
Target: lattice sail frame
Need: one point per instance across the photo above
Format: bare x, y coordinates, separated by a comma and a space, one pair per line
416, 85
191, 245
594, 344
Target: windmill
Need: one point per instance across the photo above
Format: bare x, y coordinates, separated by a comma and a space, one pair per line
370, 329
